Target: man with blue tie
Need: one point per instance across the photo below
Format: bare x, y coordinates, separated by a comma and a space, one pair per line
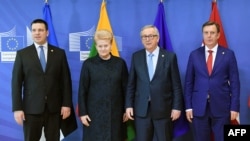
41, 88
212, 86
154, 94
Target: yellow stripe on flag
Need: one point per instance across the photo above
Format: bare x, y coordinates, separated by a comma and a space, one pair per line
104, 23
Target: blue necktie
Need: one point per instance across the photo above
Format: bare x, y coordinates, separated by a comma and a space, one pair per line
42, 58
150, 66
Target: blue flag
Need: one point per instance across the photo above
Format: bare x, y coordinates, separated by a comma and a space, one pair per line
48, 18
181, 126
12, 43
161, 24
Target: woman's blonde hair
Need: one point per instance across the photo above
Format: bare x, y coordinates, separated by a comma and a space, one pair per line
103, 34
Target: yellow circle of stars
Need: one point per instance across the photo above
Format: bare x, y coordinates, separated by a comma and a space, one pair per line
13, 41
87, 42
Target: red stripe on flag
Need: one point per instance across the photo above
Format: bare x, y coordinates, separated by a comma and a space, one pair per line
215, 16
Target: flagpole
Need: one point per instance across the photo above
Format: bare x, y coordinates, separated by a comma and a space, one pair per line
214, 0
46, 1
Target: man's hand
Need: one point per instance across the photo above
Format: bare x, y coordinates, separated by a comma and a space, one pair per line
130, 113
175, 114
189, 115
234, 115
19, 117
85, 120
65, 112
125, 118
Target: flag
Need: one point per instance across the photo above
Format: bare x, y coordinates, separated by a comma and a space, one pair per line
161, 25
48, 18
104, 23
130, 130
52, 40
11, 43
67, 125
181, 126
215, 16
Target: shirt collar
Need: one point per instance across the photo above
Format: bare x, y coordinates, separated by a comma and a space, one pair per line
155, 52
214, 49
45, 45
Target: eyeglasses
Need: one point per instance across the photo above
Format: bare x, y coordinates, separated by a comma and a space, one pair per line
150, 37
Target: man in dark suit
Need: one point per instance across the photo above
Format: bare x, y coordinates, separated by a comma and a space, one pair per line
211, 92
42, 91
154, 101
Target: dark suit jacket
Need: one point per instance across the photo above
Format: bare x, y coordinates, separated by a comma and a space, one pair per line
165, 87
32, 88
223, 85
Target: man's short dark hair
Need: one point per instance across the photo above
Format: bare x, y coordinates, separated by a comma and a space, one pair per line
211, 23
40, 21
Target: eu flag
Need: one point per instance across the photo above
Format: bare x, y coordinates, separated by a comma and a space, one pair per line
181, 125
12, 43
68, 125
161, 25
48, 18
86, 42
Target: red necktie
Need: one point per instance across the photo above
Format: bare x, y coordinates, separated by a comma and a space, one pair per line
210, 62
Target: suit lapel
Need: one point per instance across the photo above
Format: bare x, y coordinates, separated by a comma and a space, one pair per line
144, 62
34, 56
160, 61
49, 57
202, 60
219, 57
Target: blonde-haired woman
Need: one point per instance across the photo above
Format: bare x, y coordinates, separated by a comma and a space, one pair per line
101, 93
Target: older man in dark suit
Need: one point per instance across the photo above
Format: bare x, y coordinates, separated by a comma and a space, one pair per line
41, 87
154, 92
